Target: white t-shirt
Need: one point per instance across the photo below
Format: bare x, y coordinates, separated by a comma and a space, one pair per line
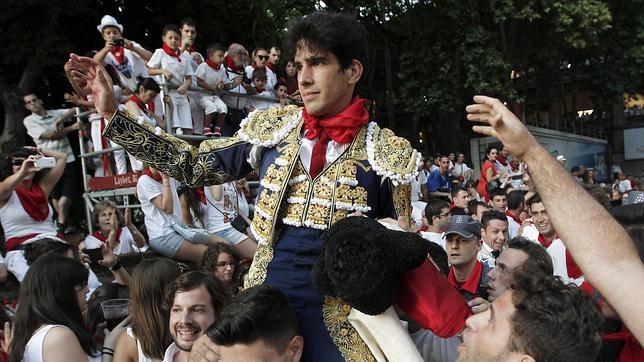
133, 66
232, 101
186, 56
513, 228
221, 213
437, 238
125, 243
170, 352
179, 69
157, 223
261, 103
37, 125
271, 77
206, 73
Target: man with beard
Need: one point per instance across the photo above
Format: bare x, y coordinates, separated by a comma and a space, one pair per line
193, 299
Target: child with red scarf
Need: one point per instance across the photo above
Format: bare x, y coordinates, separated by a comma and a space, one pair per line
260, 83
167, 62
210, 77
25, 213
107, 221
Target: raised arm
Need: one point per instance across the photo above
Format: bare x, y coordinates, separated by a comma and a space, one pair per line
51, 178
616, 271
214, 162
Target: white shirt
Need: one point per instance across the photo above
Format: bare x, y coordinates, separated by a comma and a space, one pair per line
37, 125
34, 348
133, 66
125, 243
179, 69
438, 238
271, 77
485, 255
624, 185
513, 228
170, 352
261, 103
234, 102
209, 75
557, 251
221, 213
157, 223
186, 57
16, 222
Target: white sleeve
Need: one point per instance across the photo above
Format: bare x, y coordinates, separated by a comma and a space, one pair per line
201, 71
92, 243
187, 69
148, 189
155, 61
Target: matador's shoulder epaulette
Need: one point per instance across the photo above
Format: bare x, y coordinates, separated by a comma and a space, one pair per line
391, 156
268, 127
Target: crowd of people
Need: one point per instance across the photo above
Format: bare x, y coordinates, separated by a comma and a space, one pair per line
353, 246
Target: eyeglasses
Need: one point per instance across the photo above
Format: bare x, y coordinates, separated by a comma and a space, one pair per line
445, 215
262, 57
17, 161
223, 264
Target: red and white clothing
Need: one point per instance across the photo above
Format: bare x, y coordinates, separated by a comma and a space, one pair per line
211, 103
563, 264
193, 96
271, 77
232, 101
157, 223
124, 241
265, 103
128, 64
438, 238
514, 223
181, 113
221, 213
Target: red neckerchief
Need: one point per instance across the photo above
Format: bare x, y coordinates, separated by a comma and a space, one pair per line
272, 67
176, 54
97, 234
259, 90
230, 64
192, 49
213, 65
34, 201
138, 101
202, 195
156, 177
119, 54
631, 351
255, 65
545, 243
500, 159
341, 127
511, 215
472, 282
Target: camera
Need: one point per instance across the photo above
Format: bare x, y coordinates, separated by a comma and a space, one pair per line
119, 42
247, 80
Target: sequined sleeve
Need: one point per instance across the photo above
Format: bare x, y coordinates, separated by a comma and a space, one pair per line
215, 162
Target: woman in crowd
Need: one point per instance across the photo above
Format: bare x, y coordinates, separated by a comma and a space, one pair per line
107, 221
94, 319
291, 79
220, 260
148, 337
225, 200
488, 173
49, 319
194, 206
25, 213
460, 170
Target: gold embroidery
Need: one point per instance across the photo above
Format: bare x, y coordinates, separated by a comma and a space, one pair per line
339, 215
335, 314
269, 127
218, 144
391, 156
257, 271
402, 201
348, 169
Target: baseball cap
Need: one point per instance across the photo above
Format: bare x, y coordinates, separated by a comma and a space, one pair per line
464, 226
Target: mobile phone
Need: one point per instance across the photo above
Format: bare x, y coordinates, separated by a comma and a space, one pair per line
94, 255
46, 162
119, 42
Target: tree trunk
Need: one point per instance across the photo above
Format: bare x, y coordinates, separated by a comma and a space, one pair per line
13, 132
390, 90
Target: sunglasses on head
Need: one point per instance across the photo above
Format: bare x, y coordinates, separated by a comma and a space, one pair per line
263, 57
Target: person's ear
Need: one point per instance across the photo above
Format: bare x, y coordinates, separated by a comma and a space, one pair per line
354, 71
295, 348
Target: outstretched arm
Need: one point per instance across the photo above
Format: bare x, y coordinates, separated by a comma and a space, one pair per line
616, 271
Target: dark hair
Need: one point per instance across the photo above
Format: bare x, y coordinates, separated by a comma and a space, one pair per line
456, 190
628, 215
213, 47
274, 46
433, 208
260, 313
211, 255
598, 194
259, 73
473, 205
6, 167
101, 294
46, 246
535, 199
539, 261
193, 201
171, 27
148, 84
48, 296
492, 215
193, 280
340, 34
575, 169
147, 291
553, 322
280, 83
516, 198
497, 192
489, 149
187, 21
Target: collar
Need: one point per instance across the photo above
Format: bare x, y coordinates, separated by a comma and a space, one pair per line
545, 243
176, 53
472, 283
513, 217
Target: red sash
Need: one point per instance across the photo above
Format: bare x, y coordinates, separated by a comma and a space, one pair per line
34, 201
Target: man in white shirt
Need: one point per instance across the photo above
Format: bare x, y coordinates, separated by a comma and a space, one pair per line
190, 55
193, 299
435, 218
494, 234
516, 205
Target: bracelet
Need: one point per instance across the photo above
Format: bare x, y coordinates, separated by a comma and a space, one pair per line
116, 266
108, 348
108, 353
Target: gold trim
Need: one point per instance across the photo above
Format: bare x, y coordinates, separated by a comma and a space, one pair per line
258, 269
401, 195
335, 314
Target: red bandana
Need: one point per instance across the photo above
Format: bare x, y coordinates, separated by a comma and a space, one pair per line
119, 54
138, 101
202, 195
472, 282
213, 65
515, 218
259, 90
173, 53
230, 64
192, 49
341, 127
34, 201
97, 234
156, 177
272, 67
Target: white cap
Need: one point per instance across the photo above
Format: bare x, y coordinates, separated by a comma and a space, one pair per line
561, 158
108, 20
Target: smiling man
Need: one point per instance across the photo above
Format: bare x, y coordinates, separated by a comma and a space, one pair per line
494, 234
193, 299
317, 165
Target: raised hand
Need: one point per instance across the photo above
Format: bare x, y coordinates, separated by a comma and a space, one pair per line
87, 70
502, 124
